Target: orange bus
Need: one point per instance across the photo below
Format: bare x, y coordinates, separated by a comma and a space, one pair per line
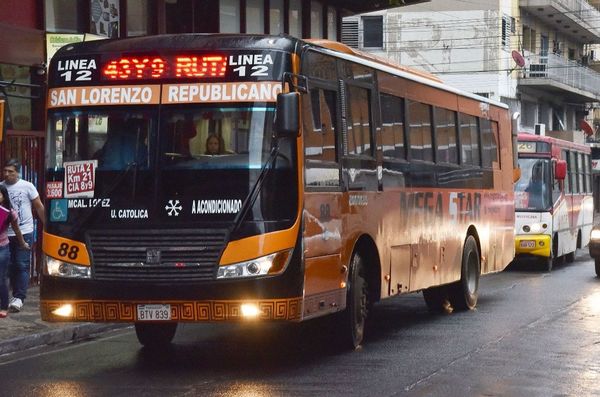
196, 178
553, 199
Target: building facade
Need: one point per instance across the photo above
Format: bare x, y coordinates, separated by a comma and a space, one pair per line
533, 55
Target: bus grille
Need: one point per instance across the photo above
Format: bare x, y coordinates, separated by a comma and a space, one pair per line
156, 256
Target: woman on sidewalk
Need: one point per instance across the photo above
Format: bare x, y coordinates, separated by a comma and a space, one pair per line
7, 216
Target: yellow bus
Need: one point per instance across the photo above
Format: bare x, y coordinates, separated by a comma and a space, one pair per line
213, 178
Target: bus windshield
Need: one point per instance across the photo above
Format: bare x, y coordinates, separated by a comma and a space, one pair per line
202, 137
534, 189
200, 161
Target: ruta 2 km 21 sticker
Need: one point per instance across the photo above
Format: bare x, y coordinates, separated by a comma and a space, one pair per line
80, 178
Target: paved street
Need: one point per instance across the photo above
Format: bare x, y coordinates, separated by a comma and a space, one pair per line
533, 334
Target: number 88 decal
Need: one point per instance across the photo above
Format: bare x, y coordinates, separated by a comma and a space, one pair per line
70, 252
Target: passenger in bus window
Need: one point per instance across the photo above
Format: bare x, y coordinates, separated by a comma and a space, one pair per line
214, 145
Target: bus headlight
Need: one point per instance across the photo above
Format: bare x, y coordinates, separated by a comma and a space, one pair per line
265, 265
58, 268
595, 234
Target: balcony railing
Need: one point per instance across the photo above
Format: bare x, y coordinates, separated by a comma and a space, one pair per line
560, 70
579, 14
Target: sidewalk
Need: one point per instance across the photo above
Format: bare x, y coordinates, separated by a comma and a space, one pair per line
24, 330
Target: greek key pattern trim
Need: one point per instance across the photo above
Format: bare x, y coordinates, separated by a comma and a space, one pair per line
196, 311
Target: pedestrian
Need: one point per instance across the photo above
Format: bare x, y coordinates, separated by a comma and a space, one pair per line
8, 216
23, 197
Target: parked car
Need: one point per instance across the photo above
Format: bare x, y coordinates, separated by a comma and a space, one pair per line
594, 247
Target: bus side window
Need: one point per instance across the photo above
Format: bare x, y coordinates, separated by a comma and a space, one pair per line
446, 131
469, 140
392, 134
359, 121
320, 142
419, 131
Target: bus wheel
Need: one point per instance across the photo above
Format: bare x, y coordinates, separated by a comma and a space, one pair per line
464, 293
155, 335
597, 263
352, 320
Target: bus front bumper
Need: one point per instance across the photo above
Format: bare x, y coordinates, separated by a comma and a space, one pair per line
533, 244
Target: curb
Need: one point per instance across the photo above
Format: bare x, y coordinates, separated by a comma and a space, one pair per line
53, 337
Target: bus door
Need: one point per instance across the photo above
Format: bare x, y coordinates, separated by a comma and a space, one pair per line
323, 198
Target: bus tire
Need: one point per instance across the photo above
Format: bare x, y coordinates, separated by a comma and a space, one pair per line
464, 293
353, 318
597, 263
155, 335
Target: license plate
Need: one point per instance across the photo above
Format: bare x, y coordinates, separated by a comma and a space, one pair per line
153, 312
527, 244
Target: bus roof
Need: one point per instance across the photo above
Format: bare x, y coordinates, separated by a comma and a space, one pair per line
340, 47
523, 136
224, 41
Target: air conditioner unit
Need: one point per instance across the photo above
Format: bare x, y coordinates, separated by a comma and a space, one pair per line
540, 129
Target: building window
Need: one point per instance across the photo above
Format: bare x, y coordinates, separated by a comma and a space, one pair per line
276, 17
295, 18
179, 16
104, 18
255, 16
507, 28
18, 110
316, 19
229, 16
63, 16
373, 31
529, 39
138, 18
332, 24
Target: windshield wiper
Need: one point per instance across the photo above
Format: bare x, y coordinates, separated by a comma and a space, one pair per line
252, 196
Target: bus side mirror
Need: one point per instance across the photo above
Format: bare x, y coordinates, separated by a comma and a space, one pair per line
560, 169
286, 116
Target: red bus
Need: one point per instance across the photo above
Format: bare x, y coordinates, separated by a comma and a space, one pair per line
339, 180
553, 199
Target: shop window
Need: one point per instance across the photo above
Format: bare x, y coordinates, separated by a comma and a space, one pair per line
255, 16
104, 18
295, 18
332, 24
316, 19
229, 16
138, 18
63, 16
276, 17
18, 108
